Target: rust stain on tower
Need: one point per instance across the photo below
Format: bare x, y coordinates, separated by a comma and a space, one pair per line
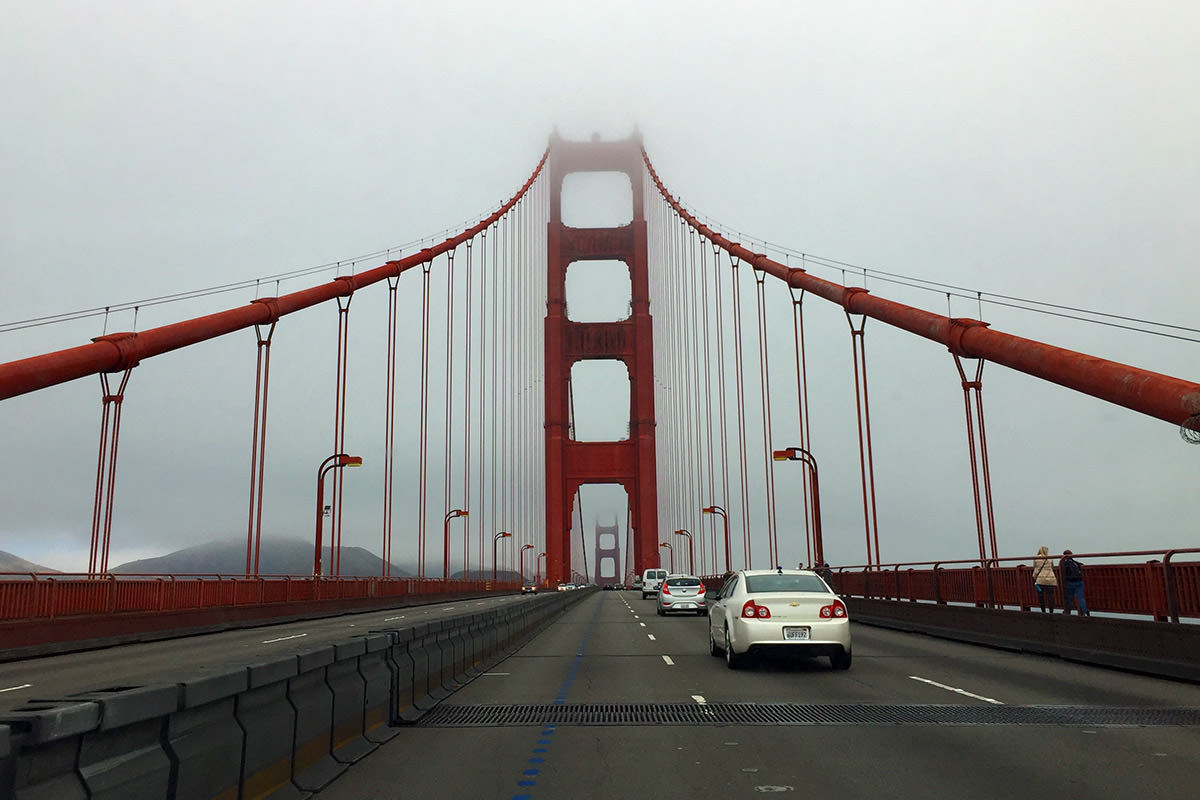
630, 462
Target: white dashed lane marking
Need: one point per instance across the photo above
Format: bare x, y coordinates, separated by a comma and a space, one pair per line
956, 691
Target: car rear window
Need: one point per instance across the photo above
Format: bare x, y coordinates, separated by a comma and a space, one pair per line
785, 583
683, 582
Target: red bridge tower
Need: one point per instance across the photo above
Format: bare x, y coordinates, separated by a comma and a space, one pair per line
629, 462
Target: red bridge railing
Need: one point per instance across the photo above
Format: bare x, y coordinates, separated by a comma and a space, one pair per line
1159, 587
38, 596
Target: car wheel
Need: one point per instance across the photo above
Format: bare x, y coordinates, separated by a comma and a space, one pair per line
841, 660
713, 648
732, 660
661, 613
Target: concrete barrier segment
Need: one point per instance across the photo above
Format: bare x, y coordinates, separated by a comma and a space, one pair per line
268, 721
204, 745
349, 704
313, 765
39, 723
48, 771
204, 740
377, 677
125, 762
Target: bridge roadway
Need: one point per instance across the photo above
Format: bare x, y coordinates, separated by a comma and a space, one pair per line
945, 732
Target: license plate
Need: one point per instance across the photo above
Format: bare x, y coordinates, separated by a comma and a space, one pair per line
795, 634
684, 605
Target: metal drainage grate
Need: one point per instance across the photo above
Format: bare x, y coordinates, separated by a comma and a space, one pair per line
491, 716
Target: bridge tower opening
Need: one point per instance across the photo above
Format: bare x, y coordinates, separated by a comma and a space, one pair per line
630, 461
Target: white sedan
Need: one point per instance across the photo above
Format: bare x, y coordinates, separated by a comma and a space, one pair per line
778, 611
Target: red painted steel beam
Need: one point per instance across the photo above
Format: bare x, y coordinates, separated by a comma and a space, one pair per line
119, 351
1161, 396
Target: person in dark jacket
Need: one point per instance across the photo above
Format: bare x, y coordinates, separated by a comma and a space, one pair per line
1072, 578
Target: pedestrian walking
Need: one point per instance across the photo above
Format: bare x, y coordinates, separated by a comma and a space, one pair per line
1044, 579
1072, 575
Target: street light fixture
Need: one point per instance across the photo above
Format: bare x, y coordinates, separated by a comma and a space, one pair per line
457, 512
691, 550
521, 561
496, 538
725, 519
335, 461
671, 549
800, 454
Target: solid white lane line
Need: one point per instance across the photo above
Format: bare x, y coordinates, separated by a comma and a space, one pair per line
667, 659
284, 638
699, 698
389, 619
15, 688
957, 691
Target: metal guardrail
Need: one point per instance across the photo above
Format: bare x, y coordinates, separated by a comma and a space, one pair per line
1158, 588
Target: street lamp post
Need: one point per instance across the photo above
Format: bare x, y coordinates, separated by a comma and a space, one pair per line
725, 519
521, 561
335, 461
671, 550
800, 454
496, 538
691, 550
457, 512
537, 575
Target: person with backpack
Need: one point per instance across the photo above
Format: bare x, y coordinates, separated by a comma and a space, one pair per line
1072, 575
1044, 579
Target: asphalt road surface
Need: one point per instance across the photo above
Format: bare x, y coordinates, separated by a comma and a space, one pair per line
915, 717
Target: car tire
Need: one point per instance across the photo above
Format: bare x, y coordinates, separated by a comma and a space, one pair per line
733, 660
714, 649
645, 596
661, 613
840, 661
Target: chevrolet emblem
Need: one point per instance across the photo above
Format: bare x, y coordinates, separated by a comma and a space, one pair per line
793, 605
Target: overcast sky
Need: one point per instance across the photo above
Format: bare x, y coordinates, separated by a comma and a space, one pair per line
1042, 150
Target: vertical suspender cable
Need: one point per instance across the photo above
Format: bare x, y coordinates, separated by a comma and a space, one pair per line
467, 418
389, 428
448, 455
717, 286
741, 408
339, 433
258, 446
802, 413
764, 372
423, 451
865, 455
708, 410
483, 388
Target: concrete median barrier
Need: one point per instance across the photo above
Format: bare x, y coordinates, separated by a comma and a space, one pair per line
349, 702
268, 722
204, 739
313, 764
274, 730
377, 678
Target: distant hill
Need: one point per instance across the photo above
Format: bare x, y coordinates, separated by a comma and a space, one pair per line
11, 563
277, 557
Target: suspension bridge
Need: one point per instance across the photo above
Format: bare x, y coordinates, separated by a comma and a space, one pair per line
481, 455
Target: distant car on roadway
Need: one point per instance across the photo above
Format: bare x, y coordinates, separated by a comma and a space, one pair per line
528, 588
651, 581
681, 593
778, 611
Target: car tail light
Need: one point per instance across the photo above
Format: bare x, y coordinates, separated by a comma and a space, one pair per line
665, 589
837, 610
751, 610
700, 589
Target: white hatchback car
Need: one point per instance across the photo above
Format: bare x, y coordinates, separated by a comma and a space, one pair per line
778, 611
